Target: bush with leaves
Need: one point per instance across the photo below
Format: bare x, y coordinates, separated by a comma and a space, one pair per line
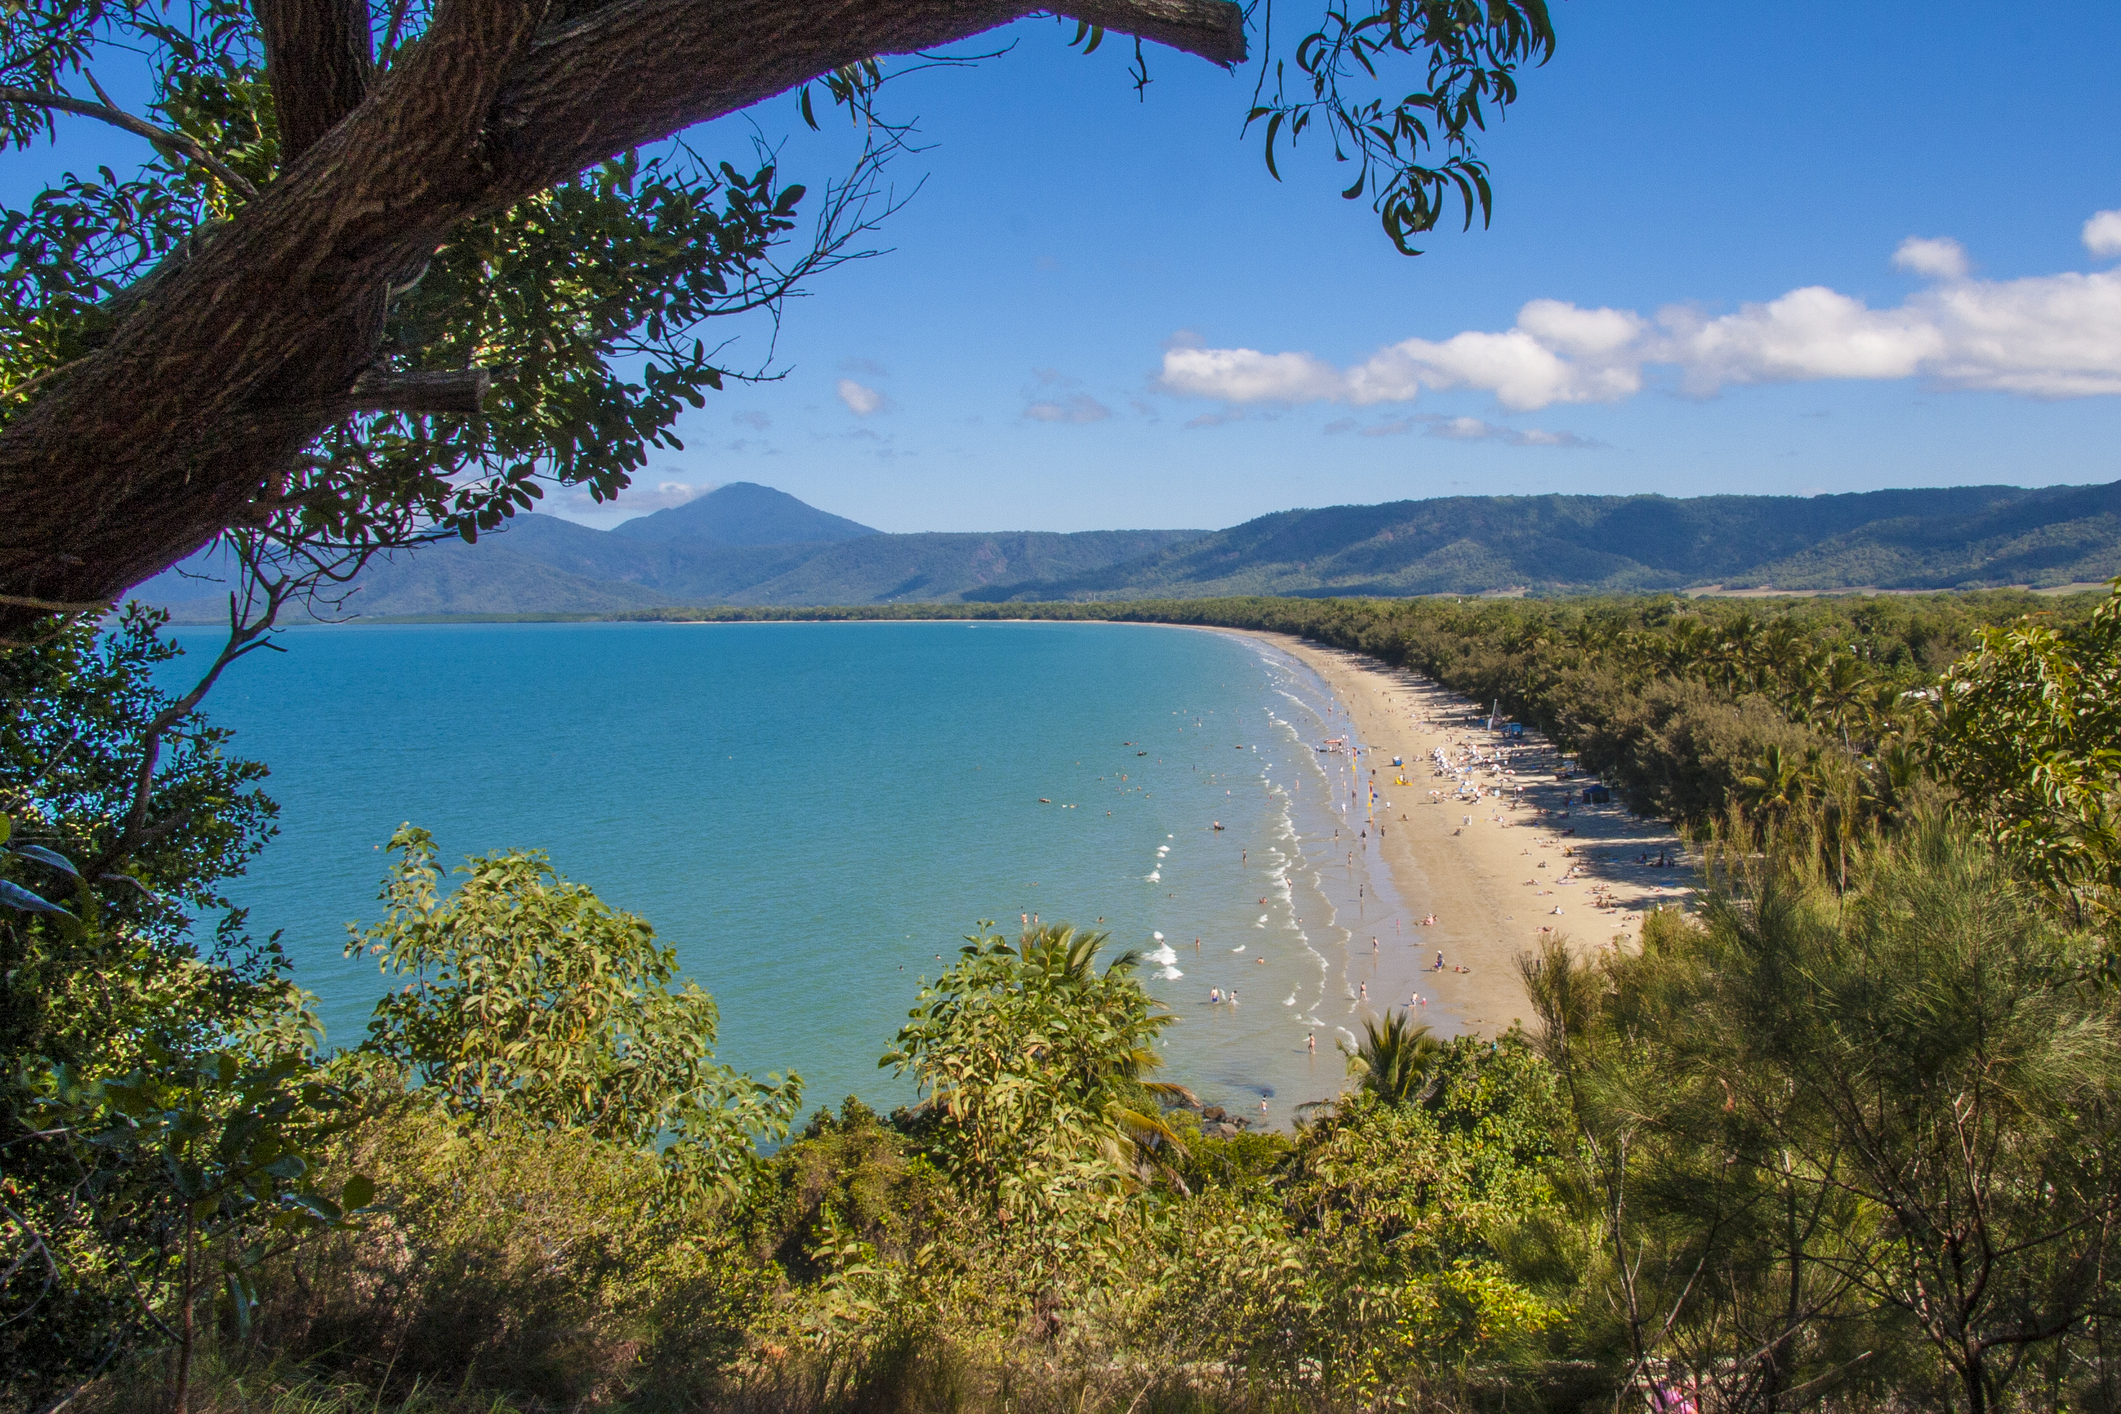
1035, 1066
527, 998
2027, 727
539, 1260
191, 1173
122, 814
1838, 1141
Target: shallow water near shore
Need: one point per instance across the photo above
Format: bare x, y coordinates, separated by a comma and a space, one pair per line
811, 813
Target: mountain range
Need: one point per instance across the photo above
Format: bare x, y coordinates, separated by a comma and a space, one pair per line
745, 544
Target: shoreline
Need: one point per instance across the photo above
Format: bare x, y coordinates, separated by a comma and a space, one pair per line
1483, 881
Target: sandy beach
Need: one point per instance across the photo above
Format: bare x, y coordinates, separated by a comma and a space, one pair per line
1525, 856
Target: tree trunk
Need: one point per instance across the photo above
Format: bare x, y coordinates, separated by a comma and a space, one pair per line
233, 361
187, 1334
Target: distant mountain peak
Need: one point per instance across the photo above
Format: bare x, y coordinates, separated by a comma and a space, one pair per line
744, 513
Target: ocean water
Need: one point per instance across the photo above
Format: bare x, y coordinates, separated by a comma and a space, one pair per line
814, 815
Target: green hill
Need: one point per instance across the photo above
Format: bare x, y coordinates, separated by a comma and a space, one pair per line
1958, 538
744, 513
1962, 537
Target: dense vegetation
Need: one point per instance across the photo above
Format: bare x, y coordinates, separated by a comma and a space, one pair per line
1968, 537
1844, 1138
746, 545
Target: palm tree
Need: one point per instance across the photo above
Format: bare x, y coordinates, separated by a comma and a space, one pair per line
1058, 956
1396, 1059
1782, 782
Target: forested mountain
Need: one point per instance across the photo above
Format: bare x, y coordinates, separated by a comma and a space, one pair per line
745, 513
544, 565
1961, 537
736, 546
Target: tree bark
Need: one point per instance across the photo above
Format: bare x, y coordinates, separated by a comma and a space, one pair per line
318, 55
234, 360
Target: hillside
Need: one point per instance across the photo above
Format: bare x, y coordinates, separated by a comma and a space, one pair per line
544, 565
1962, 537
1958, 538
745, 513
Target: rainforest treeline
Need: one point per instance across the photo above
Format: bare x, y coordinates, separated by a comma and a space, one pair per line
1845, 1136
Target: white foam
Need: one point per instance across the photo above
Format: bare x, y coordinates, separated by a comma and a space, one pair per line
1154, 876
1170, 974
1163, 955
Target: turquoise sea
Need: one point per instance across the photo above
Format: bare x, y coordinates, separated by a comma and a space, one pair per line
814, 815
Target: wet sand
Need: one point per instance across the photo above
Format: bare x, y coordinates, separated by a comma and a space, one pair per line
1491, 870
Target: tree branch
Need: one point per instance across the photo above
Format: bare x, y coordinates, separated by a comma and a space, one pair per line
638, 70
1207, 28
119, 118
319, 55
461, 390
233, 360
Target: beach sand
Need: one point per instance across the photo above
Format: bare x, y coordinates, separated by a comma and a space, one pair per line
1483, 880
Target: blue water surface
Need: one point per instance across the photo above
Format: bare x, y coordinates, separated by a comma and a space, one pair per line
811, 813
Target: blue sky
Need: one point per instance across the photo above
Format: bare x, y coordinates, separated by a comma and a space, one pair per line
1100, 312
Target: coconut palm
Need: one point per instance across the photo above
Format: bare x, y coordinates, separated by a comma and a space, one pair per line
1396, 1058
1783, 781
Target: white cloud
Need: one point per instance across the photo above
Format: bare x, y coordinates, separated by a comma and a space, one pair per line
757, 420
1806, 334
1472, 429
1558, 353
1938, 257
2102, 234
1080, 408
1461, 429
1249, 376
860, 399
638, 499
2051, 336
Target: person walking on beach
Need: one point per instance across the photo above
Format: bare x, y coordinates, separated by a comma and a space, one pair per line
1311, 1042
1439, 961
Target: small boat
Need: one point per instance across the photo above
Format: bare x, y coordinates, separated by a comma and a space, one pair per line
1043, 801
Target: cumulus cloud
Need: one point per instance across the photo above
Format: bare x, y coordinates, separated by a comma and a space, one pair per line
861, 400
1938, 257
1249, 376
2049, 336
1080, 408
2102, 234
